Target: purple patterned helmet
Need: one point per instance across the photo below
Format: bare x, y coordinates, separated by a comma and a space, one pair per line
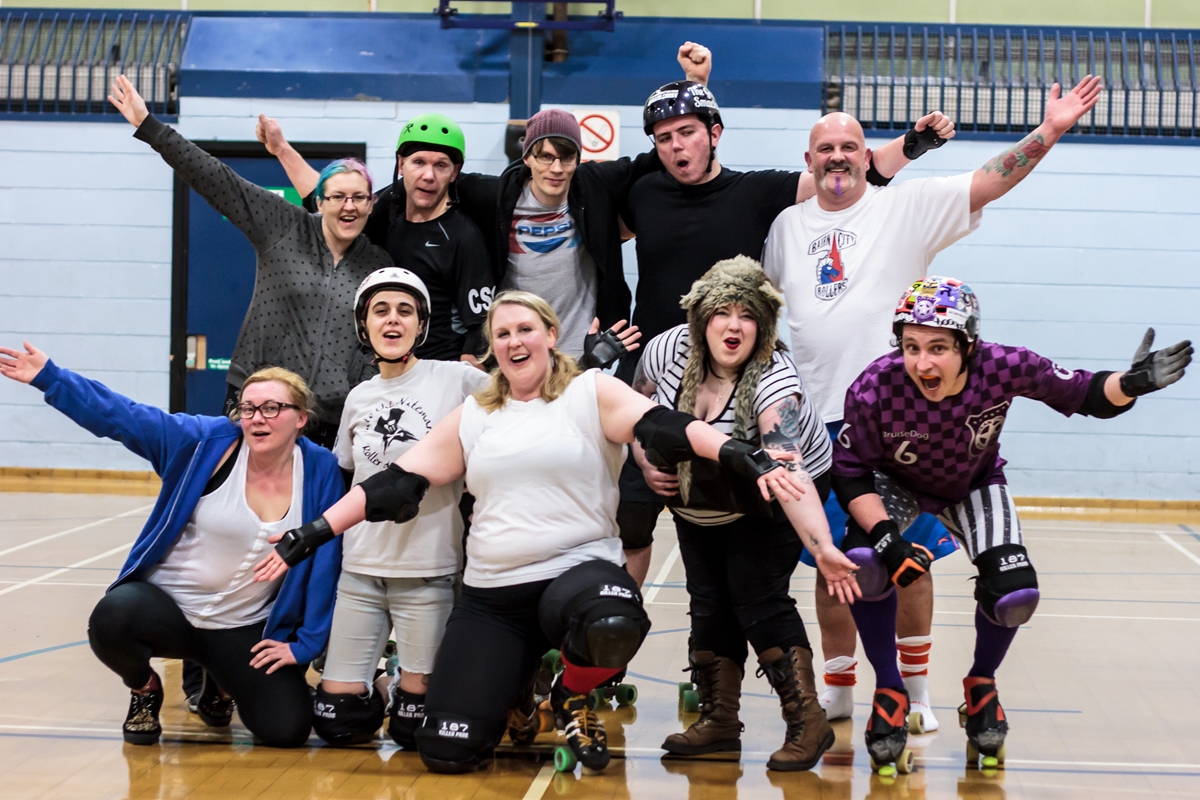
939, 303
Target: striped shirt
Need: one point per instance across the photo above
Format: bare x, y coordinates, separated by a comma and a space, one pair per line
663, 364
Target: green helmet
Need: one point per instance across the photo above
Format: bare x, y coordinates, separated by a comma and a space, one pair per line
436, 130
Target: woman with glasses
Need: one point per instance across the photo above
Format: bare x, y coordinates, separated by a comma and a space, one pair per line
187, 589
308, 265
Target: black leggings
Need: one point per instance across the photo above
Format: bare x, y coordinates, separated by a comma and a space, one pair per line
137, 621
738, 577
494, 641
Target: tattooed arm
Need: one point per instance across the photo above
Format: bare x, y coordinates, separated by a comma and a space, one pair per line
993, 180
781, 431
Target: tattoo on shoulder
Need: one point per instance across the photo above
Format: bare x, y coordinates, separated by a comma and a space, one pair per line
641, 384
1020, 155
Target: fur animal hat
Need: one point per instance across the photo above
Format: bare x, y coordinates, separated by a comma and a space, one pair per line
740, 281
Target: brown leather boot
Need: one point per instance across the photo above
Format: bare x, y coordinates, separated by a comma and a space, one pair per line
808, 731
719, 681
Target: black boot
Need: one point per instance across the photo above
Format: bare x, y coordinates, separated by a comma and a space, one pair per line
585, 733
141, 723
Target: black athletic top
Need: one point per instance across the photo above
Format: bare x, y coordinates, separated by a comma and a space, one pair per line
683, 230
450, 255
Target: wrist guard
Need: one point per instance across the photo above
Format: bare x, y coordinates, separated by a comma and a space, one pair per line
601, 350
918, 143
746, 460
394, 495
906, 562
300, 543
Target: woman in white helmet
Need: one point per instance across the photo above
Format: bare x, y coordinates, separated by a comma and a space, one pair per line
401, 575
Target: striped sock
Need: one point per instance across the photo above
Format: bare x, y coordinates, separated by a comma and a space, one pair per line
838, 697
914, 668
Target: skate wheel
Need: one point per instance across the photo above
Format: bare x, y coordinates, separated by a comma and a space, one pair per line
1000, 756
552, 661
564, 759
626, 694
597, 698
962, 716
691, 701
685, 686
905, 763
972, 754
989, 762
887, 771
916, 722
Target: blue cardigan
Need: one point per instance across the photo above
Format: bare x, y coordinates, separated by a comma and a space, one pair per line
184, 451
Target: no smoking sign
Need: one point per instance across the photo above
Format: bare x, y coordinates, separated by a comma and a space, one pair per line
600, 133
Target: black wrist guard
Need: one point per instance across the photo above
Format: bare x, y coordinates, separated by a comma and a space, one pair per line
918, 143
393, 495
905, 562
600, 350
746, 460
300, 543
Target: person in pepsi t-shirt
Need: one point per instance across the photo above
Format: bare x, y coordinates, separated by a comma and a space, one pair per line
922, 433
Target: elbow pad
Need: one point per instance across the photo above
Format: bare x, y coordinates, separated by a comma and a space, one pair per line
662, 432
875, 177
848, 488
300, 543
394, 495
746, 460
1097, 404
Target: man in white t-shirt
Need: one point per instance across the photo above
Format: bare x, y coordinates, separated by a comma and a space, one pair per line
841, 259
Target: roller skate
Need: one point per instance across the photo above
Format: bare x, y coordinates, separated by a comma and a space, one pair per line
983, 719
391, 658
614, 689
587, 742
141, 723
887, 733
530, 718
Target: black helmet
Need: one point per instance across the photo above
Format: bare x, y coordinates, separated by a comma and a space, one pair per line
677, 99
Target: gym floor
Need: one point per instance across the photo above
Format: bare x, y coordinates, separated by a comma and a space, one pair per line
1100, 688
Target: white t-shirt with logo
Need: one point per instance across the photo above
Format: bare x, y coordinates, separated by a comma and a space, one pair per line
544, 478
382, 419
841, 273
546, 256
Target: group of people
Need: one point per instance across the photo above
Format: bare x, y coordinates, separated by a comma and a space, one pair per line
420, 373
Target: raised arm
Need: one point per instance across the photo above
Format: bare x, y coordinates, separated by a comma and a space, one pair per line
995, 178
263, 216
299, 172
696, 60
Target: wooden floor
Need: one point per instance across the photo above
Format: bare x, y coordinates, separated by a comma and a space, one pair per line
1101, 688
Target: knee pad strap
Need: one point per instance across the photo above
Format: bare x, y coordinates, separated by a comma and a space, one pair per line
1007, 587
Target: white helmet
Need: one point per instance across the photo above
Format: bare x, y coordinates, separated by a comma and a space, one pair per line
395, 279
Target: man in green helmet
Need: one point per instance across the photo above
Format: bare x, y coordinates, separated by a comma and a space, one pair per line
416, 222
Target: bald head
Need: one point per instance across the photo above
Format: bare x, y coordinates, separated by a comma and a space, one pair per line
837, 157
838, 125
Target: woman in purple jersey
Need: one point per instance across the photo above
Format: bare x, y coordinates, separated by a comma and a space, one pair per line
922, 434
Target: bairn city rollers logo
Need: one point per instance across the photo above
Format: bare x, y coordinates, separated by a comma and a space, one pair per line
985, 427
831, 270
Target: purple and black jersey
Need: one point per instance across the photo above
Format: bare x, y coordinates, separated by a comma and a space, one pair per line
941, 451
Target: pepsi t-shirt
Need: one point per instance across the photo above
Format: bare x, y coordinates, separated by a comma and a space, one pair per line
943, 451
683, 230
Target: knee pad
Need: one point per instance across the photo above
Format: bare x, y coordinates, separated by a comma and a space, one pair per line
452, 745
662, 432
606, 626
1007, 587
393, 495
342, 719
404, 717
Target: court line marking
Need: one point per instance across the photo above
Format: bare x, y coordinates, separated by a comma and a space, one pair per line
541, 783
123, 514
58, 572
1180, 548
43, 650
661, 577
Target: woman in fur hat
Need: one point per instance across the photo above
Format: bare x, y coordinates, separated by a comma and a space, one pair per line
727, 367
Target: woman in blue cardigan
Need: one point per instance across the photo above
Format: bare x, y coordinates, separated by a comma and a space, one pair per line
187, 589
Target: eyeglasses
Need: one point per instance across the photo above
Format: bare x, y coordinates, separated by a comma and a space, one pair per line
269, 409
546, 160
359, 200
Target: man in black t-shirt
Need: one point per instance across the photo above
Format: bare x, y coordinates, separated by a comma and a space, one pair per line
687, 218
422, 230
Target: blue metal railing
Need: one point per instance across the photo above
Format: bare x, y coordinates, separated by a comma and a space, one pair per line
994, 78
64, 62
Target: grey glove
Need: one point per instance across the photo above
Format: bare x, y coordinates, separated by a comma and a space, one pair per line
1157, 369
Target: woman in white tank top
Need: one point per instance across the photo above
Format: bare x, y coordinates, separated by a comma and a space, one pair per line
541, 448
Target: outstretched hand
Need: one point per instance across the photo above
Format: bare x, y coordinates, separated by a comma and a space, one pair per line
22, 366
128, 101
942, 125
269, 132
1154, 369
838, 572
696, 60
273, 566
628, 336
1062, 112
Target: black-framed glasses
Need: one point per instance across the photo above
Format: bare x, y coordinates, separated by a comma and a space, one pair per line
546, 160
359, 200
269, 409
